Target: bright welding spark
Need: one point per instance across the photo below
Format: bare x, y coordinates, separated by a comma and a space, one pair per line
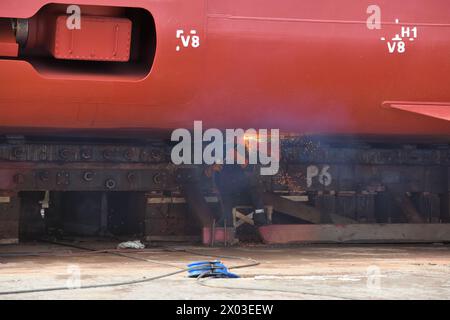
255, 137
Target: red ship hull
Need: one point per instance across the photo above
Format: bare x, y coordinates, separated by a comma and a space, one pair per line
301, 66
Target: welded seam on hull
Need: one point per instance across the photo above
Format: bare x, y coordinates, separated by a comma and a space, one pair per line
274, 19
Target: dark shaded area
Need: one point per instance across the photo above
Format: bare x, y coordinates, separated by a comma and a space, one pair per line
111, 214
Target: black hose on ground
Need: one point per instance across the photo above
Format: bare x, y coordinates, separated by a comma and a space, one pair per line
94, 286
201, 280
131, 282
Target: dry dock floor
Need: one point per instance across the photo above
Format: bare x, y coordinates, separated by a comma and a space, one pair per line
289, 272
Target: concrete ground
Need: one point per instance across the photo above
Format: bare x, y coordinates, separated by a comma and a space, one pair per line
300, 272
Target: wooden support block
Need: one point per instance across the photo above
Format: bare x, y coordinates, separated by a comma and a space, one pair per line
243, 218
429, 207
445, 207
445, 200
173, 238
365, 207
356, 233
300, 210
326, 203
9, 218
292, 208
408, 209
240, 218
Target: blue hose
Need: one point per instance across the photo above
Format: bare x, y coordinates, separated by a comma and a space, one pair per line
215, 269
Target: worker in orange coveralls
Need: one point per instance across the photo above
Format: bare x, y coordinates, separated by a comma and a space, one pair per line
235, 181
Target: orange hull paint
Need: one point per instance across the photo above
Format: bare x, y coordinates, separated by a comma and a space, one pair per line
302, 66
